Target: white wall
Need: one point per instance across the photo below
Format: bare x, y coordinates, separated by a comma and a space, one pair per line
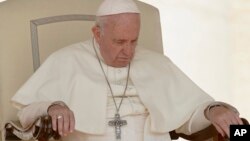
240, 22
210, 42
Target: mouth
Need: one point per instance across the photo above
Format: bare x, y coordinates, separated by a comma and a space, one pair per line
125, 58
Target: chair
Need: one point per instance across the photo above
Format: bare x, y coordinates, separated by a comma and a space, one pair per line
32, 30
33, 27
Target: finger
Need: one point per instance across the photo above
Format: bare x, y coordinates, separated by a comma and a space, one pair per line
72, 122
60, 125
219, 130
66, 124
54, 122
225, 127
235, 121
239, 120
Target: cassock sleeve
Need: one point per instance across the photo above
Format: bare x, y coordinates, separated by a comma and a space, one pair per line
28, 114
198, 120
45, 86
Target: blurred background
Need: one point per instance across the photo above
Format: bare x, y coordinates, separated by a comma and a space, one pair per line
210, 42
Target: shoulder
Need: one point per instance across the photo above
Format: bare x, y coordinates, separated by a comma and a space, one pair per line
150, 56
73, 51
78, 54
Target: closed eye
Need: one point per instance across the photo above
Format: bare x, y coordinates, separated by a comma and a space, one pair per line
119, 42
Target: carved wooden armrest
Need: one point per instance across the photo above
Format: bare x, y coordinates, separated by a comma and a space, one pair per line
40, 130
208, 133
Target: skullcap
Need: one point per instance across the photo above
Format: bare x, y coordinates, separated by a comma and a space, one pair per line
111, 7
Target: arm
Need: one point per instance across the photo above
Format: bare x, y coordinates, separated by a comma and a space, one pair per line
28, 114
196, 122
63, 119
221, 116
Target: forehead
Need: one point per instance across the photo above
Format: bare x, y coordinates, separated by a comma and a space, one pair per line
125, 18
123, 25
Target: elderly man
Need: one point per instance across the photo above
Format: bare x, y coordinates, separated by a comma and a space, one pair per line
107, 89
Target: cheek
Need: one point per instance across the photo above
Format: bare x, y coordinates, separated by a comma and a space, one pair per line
111, 52
115, 51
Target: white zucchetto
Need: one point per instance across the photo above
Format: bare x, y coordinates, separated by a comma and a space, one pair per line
111, 7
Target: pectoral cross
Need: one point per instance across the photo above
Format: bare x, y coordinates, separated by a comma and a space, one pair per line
117, 122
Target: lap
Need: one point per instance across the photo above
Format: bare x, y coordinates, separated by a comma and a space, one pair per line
133, 131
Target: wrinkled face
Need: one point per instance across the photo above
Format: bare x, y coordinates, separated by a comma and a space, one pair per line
118, 38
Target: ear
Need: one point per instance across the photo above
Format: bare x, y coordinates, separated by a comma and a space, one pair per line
96, 32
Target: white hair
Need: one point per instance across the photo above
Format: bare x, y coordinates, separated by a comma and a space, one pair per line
101, 21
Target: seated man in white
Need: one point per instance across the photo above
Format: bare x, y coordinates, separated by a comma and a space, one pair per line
107, 89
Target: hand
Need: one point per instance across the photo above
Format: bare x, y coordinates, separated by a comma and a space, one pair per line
222, 117
63, 120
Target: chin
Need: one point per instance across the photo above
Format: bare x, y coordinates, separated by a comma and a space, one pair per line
120, 65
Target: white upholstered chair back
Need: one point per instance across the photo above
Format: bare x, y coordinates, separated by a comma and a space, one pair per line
23, 20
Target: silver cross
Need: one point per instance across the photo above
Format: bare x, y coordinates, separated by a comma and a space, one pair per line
117, 122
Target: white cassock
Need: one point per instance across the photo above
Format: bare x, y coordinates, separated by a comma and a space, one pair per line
161, 98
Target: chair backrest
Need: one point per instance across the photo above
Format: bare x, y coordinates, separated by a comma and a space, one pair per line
23, 20
34, 24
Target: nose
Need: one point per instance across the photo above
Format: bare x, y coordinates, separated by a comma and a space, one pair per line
128, 49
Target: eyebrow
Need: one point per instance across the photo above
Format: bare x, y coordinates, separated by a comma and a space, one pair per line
119, 40
123, 40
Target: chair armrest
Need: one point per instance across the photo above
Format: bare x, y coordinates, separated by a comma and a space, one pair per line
40, 130
208, 133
